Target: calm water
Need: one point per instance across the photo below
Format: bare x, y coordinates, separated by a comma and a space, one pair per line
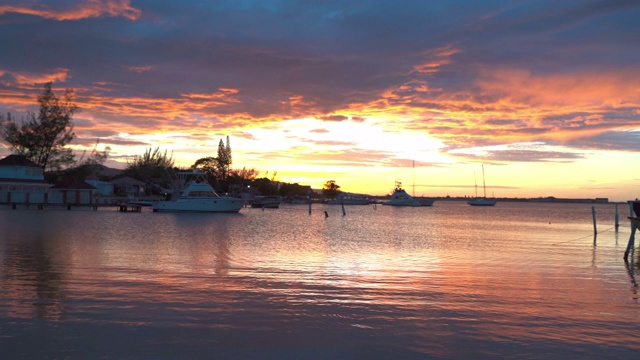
515, 281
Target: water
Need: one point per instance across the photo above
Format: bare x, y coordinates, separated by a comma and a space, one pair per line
518, 280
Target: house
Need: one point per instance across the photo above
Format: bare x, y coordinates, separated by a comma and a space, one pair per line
22, 181
126, 186
103, 188
71, 191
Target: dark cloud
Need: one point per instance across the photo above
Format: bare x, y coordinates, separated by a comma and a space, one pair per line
610, 140
334, 118
470, 73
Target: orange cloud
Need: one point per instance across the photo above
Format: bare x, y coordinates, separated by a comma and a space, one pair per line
31, 79
435, 59
88, 9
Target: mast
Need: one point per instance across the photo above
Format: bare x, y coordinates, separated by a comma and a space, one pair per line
414, 178
475, 182
483, 183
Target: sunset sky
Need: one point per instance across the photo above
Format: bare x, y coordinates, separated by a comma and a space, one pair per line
545, 94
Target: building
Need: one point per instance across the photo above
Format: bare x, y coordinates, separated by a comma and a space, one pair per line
71, 191
103, 188
22, 181
126, 186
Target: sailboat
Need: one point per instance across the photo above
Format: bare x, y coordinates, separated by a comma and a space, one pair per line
483, 201
422, 200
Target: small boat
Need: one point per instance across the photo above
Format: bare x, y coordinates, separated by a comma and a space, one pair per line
266, 202
401, 198
198, 196
345, 198
482, 201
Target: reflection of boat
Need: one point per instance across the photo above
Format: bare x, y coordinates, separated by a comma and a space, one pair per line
401, 198
198, 196
345, 198
266, 202
483, 201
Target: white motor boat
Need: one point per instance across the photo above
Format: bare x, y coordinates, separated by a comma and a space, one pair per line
401, 198
198, 196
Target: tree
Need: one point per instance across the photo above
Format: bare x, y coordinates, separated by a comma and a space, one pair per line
42, 139
96, 157
330, 189
224, 160
153, 164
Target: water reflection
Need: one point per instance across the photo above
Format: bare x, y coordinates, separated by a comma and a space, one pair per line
32, 273
443, 282
633, 267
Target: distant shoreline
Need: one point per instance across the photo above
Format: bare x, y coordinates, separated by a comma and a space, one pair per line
533, 200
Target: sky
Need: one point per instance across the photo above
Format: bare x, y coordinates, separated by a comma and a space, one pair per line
545, 95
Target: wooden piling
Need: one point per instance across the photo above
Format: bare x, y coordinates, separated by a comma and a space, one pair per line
616, 218
634, 209
593, 213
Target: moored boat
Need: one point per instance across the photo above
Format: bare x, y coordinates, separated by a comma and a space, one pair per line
345, 198
401, 198
198, 196
266, 202
482, 201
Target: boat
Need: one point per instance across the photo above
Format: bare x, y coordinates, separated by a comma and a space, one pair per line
266, 202
423, 200
482, 201
345, 198
196, 195
401, 198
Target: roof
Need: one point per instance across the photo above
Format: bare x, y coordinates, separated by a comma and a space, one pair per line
21, 181
73, 183
17, 160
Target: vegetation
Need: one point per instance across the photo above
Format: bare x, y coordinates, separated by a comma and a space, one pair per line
223, 161
218, 169
154, 165
330, 189
43, 137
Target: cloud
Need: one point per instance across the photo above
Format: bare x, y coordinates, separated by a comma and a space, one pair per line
470, 74
519, 152
333, 118
22, 79
72, 10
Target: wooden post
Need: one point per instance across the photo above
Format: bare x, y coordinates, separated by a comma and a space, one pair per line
634, 225
343, 211
593, 213
309, 207
616, 218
